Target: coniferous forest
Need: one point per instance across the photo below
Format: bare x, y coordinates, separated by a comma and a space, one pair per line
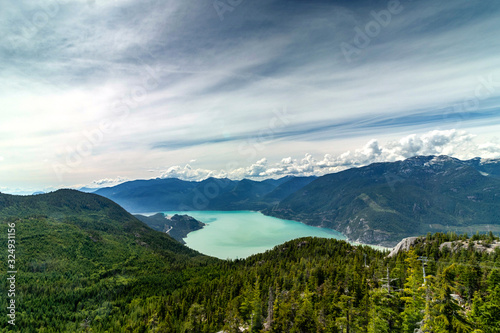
86, 265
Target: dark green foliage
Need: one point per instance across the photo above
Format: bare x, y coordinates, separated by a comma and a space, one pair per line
102, 270
82, 260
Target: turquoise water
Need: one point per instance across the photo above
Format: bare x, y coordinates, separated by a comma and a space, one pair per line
239, 234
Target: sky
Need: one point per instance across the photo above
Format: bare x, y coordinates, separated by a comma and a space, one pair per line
94, 93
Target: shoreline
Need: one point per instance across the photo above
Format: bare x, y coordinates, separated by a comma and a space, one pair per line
346, 238
352, 242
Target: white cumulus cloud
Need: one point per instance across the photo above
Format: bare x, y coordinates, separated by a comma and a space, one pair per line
105, 182
455, 143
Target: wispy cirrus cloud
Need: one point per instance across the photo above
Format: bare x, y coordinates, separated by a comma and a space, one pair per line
216, 83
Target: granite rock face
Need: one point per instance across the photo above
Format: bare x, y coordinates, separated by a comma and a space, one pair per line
404, 245
479, 246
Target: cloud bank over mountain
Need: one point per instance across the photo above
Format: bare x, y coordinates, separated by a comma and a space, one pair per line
455, 143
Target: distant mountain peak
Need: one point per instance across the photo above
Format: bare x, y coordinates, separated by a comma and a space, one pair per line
210, 194
406, 198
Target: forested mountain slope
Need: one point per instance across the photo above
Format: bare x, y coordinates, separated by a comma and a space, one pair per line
82, 256
385, 202
489, 167
101, 270
324, 285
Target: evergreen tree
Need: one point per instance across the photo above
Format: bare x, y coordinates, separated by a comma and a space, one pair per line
384, 315
413, 312
195, 319
305, 320
443, 313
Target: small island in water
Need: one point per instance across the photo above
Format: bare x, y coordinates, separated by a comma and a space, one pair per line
177, 226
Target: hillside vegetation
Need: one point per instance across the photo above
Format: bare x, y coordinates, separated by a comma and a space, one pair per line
81, 257
102, 270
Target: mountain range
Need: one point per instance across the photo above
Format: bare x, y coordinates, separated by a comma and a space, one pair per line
385, 202
172, 194
376, 204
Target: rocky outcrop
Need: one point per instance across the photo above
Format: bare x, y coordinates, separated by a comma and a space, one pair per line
454, 246
480, 246
404, 245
